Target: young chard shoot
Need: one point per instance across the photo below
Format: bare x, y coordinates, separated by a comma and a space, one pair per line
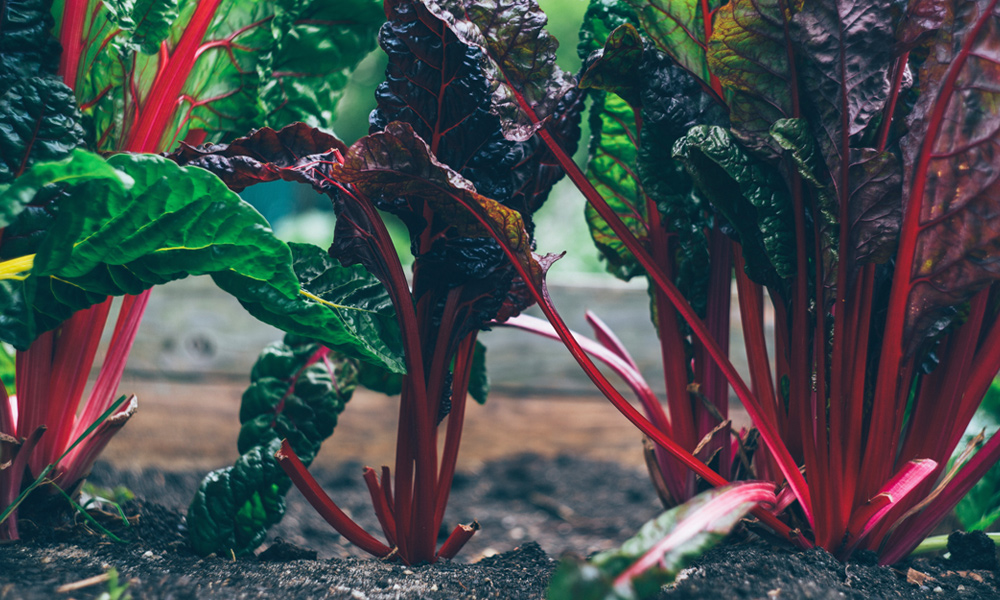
855, 183
661, 548
138, 79
436, 150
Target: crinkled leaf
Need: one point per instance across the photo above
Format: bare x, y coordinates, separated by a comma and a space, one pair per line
348, 305
602, 17
397, 164
749, 195
612, 171
264, 155
223, 66
521, 57
615, 66
157, 222
671, 102
40, 122
479, 379
678, 27
234, 506
146, 21
795, 138
661, 548
26, 46
318, 46
844, 48
876, 206
748, 53
922, 17
950, 162
297, 391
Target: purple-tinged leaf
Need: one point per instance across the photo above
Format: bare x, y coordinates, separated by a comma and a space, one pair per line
922, 18
520, 57
951, 228
875, 206
845, 51
748, 52
680, 28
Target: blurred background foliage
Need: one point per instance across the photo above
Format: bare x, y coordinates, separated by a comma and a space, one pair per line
298, 214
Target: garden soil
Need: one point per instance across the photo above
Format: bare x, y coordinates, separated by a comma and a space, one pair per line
531, 509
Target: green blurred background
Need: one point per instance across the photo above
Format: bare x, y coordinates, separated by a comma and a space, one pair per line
299, 214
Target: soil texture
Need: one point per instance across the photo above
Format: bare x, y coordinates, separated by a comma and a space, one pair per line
532, 509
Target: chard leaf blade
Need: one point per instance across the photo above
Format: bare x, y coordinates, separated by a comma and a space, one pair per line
297, 391
951, 229
159, 222
520, 57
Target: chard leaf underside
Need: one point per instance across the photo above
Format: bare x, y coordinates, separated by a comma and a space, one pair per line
951, 180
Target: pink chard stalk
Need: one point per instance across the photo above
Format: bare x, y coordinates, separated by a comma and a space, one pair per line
123, 82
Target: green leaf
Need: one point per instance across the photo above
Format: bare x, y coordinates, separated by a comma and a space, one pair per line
180, 68
748, 53
159, 222
479, 380
616, 66
612, 171
319, 44
660, 549
750, 195
147, 21
234, 507
677, 27
40, 122
980, 507
353, 312
602, 17
27, 47
297, 391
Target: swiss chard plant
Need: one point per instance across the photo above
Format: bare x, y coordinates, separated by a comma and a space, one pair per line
851, 178
440, 159
123, 77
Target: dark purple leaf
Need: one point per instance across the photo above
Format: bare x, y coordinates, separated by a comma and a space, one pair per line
951, 237
876, 206
922, 18
521, 57
845, 51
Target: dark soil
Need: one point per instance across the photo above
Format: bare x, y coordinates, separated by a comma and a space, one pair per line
531, 509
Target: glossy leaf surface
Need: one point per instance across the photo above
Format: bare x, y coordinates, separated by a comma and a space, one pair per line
143, 234
748, 52
749, 195
297, 392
